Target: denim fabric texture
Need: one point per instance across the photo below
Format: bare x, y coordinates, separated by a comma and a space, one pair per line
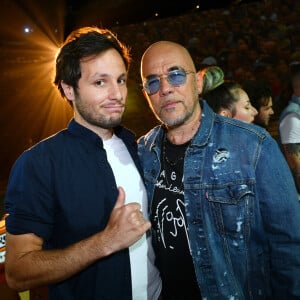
241, 206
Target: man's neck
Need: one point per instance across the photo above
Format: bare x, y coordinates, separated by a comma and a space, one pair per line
103, 133
181, 134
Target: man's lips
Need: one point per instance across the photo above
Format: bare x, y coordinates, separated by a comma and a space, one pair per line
170, 104
114, 107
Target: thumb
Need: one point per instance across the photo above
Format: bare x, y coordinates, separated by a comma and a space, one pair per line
121, 198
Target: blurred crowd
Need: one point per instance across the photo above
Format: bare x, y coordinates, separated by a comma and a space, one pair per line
257, 40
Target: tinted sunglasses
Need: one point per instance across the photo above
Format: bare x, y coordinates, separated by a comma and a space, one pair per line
176, 78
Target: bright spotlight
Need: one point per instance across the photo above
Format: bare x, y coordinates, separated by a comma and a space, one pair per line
27, 29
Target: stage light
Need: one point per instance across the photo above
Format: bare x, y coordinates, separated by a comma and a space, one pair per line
27, 29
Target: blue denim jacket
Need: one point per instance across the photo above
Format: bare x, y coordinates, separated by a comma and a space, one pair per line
242, 209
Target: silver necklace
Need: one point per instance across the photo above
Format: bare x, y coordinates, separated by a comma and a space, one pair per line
164, 152
165, 157
175, 168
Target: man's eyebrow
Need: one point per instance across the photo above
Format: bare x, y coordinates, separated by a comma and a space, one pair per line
97, 75
106, 75
174, 68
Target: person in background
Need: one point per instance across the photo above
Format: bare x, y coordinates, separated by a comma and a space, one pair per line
5, 292
213, 76
223, 206
289, 126
77, 223
226, 97
260, 95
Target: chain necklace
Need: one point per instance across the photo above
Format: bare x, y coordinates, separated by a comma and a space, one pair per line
165, 157
173, 168
181, 149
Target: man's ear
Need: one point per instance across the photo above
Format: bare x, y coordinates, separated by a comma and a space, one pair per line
199, 78
225, 112
68, 91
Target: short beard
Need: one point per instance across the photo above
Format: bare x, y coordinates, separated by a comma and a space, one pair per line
105, 123
101, 121
178, 121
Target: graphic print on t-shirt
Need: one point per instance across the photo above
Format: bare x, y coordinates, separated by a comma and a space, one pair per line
169, 212
171, 230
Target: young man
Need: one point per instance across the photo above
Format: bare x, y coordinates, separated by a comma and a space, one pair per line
289, 126
223, 205
69, 226
260, 95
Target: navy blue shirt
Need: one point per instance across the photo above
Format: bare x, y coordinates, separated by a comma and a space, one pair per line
63, 190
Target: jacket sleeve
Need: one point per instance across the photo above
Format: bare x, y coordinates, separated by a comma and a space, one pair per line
280, 212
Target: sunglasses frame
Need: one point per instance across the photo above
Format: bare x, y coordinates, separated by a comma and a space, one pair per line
167, 76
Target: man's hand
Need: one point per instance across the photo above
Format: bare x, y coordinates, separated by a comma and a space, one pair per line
126, 224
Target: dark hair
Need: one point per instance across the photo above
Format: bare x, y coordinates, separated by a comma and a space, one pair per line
294, 68
223, 96
259, 92
81, 43
294, 72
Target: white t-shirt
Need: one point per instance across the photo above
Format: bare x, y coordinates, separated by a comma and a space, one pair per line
146, 282
289, 129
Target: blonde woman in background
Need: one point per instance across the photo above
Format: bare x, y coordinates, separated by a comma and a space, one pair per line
226, 97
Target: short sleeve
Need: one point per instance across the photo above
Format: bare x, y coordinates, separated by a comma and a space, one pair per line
289, 129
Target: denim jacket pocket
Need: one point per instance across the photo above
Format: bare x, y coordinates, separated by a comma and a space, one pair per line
231, 208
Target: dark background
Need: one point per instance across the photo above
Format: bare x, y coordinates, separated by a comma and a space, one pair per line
30, 34
249, 39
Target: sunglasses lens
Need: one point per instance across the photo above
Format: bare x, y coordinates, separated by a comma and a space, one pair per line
177, 77
152, 85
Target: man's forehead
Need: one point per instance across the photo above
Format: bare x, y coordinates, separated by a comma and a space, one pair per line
161, 57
